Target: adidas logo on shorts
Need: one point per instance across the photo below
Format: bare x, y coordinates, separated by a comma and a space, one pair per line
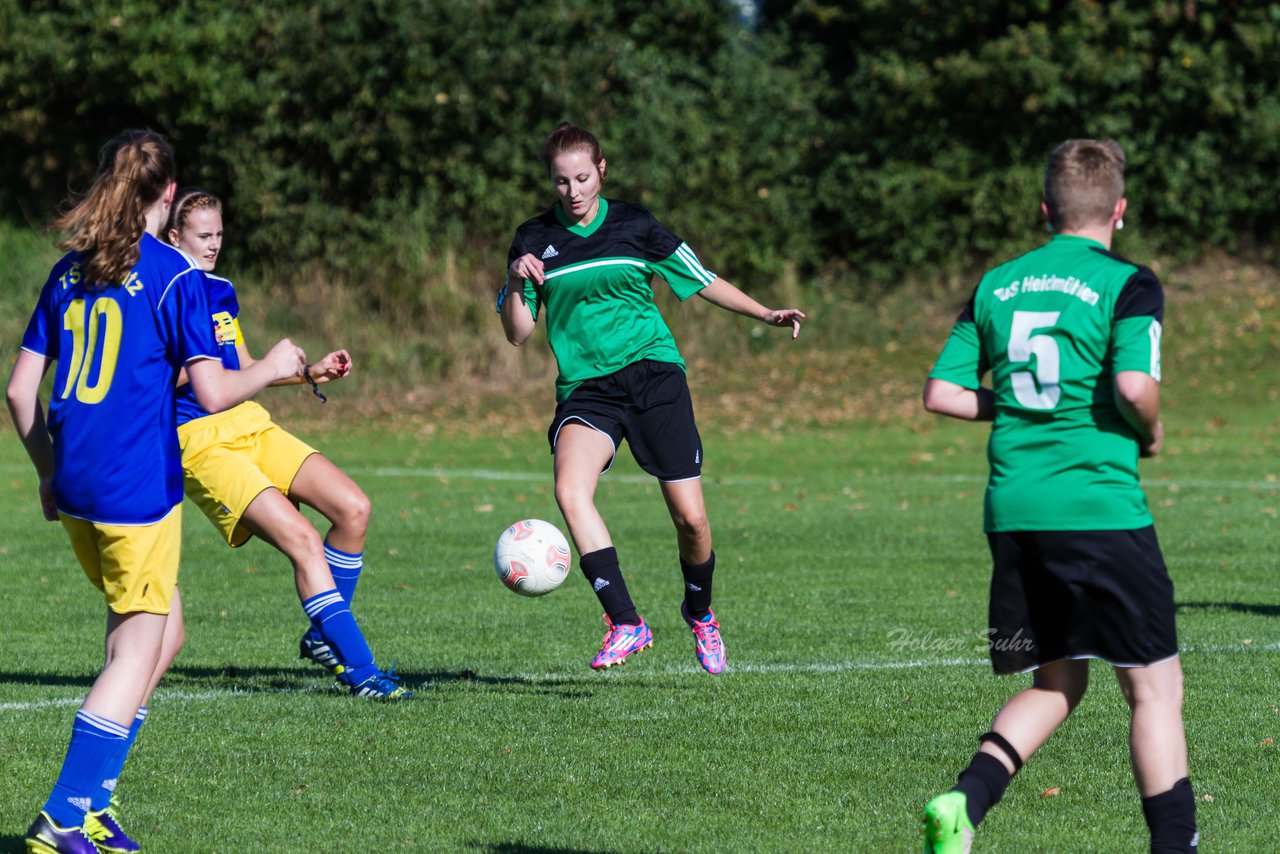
549, 252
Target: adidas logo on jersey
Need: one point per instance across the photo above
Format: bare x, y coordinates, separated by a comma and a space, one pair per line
549, 252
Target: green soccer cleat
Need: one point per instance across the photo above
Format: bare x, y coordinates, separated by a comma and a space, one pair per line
947, 829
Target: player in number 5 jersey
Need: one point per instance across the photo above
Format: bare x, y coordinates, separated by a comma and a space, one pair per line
120, 314
586, 264
1070, 334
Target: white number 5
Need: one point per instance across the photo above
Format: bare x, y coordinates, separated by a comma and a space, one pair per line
1037, 388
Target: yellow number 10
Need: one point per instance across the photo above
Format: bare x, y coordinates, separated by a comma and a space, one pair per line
104, 312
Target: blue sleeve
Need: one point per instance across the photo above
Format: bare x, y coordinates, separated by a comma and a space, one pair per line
186, 319
37, 338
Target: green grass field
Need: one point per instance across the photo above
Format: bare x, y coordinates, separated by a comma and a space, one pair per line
851, 591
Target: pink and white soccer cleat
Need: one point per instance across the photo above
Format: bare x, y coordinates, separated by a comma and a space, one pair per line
620, 642
707, 645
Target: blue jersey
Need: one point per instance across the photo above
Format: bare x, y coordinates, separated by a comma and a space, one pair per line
225, 309
118, 350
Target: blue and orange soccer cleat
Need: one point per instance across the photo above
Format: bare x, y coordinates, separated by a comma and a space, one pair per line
947, 829
44, 836
707, 645
311, 648
620, 642
106, 833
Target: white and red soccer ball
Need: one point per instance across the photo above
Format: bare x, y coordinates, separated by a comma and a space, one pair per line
532, 557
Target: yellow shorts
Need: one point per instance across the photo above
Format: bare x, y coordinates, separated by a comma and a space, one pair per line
136, 566
229, 458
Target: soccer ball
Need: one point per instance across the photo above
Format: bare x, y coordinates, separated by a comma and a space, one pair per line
532, 557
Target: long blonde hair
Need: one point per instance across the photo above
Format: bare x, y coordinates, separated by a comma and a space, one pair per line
106, 225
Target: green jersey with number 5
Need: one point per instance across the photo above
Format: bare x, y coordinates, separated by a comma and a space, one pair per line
1054, 327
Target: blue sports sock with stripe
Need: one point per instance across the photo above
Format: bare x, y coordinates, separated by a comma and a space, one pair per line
111, 773
345, 568
329, 612
94, 740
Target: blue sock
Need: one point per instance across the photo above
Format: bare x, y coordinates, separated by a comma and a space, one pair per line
111, 773
94, 740
345, 568
338, 628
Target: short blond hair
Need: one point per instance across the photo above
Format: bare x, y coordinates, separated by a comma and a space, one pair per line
1084, 181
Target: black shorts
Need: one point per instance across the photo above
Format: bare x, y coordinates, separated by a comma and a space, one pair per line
648, 404
1079, 594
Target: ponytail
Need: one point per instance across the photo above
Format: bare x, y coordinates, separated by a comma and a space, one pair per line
107, 224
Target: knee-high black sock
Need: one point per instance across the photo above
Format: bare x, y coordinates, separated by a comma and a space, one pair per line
1171, 818
983, 784
605, 577
697, 586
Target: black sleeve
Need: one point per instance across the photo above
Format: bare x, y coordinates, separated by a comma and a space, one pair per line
660, 242
1141, 296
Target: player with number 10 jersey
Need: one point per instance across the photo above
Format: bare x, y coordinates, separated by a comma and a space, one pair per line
117, 352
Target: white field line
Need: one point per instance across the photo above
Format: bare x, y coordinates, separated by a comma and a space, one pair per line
545, 477
177, 696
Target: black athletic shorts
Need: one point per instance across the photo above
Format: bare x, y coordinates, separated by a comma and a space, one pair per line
1079, 594
648, 404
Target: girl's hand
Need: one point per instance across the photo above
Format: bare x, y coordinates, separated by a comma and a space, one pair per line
526, 267
334, 366
785, 317
286, 359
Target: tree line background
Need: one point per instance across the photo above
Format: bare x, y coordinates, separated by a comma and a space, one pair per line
392, 146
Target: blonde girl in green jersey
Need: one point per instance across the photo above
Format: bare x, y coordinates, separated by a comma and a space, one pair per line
586, 265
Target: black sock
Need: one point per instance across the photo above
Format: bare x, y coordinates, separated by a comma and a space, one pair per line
983, 784
1171, 818
697, 586
604, 576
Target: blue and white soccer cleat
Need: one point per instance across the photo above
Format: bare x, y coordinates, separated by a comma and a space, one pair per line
707, 645
382, 686
620, 642
316, 650
44, 836
106, 833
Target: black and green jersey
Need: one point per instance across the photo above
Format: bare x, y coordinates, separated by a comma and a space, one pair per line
1053, 327
597, 293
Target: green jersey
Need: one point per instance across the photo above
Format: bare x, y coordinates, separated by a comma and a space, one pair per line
596, 288
1054, 327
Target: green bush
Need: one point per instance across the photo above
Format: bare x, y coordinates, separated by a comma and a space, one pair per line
942, 116
361, 135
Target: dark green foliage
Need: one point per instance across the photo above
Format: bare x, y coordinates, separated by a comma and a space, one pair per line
943, 116
339, 131
370, 137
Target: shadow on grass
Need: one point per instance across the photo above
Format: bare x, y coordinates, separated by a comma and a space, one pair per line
12, 844
521, 848
269, 680
1239, 607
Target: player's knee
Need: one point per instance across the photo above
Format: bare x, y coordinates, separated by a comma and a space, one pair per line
354, 512
572, 497
300, 541
692, 526
1163, 691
